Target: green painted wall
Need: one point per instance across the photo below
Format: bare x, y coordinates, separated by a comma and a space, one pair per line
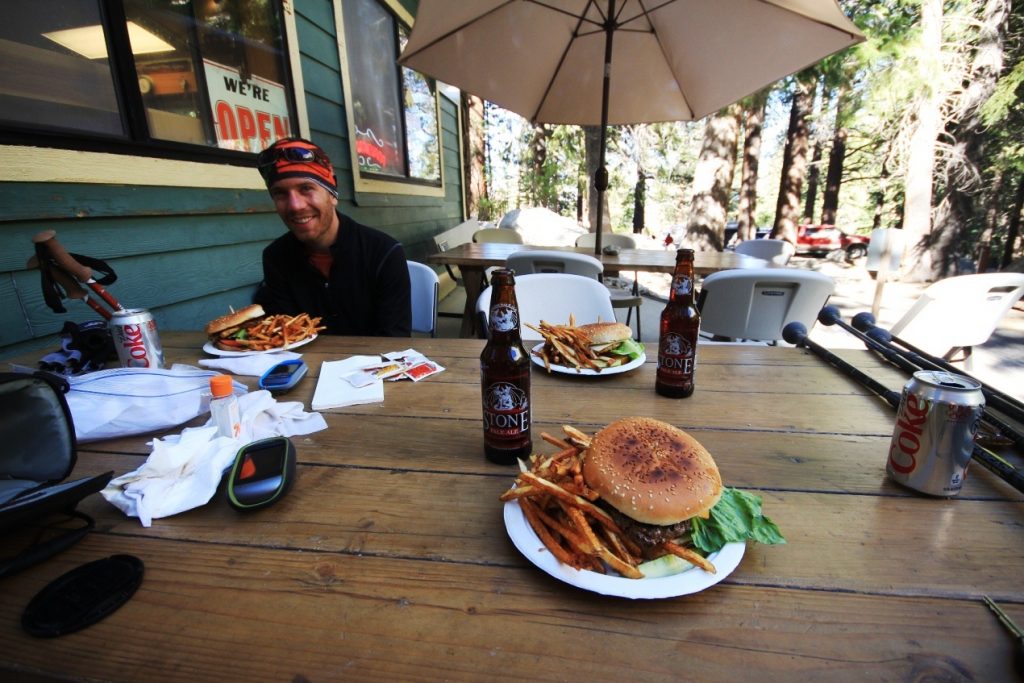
188, 253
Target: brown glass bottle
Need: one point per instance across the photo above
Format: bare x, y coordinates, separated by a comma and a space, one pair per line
677, 341
505, 377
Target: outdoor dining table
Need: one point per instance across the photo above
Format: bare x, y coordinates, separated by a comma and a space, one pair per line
474, 258
390, 560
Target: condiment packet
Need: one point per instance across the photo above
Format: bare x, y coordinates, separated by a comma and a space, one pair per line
423, 369
408, 364
418, 366
371, 373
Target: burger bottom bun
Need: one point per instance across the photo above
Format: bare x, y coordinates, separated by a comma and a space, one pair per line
226, 322
652, 471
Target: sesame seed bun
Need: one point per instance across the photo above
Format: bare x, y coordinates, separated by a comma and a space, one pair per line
652, 471
605, 333
232, 320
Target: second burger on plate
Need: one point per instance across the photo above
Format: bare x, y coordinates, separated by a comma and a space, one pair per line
251, 329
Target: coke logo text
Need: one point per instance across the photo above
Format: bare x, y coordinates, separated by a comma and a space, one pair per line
909, 428
131, 340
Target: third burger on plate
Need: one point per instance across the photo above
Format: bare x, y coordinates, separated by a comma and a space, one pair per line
593, 346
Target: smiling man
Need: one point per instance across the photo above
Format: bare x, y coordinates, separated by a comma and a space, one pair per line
328, 265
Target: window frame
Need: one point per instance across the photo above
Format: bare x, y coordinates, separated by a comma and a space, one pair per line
378, 184
33, 155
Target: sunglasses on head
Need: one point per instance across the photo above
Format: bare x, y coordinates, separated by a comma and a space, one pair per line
301, 155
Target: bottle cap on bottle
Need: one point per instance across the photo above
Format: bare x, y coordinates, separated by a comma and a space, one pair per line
221, 386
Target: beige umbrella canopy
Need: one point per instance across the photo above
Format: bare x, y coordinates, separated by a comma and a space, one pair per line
601, 62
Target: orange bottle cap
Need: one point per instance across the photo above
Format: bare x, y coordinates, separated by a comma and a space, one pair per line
221, 386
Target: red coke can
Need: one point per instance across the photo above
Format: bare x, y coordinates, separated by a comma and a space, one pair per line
136, 339
934, 435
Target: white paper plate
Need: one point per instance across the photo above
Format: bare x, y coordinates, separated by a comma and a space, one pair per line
214, 351
692, 580
566, 370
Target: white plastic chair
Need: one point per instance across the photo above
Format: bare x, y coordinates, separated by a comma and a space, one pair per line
530, 261
423, 284
503, 235
777, 251
552, 297
958, 313
616, 239
756, 303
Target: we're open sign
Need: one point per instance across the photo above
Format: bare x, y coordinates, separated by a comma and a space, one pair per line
247, 114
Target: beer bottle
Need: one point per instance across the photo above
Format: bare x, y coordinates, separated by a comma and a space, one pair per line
677, 342
505, 377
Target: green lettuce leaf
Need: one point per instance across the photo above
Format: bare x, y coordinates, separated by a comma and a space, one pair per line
735, 518
630, 348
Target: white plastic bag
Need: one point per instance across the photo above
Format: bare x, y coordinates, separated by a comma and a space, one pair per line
183, 471
126, 401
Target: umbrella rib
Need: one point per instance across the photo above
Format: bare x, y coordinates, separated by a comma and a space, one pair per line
582, 16
644, 12
455, 30
810, 19
565, 53
657, 39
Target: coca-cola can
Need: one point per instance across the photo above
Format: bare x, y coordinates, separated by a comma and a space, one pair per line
934, 435
136, 339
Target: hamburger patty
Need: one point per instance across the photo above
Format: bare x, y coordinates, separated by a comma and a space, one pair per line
646, 535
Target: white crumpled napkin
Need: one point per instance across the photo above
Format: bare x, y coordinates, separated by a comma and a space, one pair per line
253, 366
184, 470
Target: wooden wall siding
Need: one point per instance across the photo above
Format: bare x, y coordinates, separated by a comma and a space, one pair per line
189, 253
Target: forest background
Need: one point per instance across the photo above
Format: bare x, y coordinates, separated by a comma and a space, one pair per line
921, 127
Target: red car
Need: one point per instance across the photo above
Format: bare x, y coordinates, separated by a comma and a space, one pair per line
820, 240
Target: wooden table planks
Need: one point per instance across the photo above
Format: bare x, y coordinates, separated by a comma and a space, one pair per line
389, 560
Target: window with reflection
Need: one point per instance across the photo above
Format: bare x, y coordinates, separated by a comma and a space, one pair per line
394, 110
211, 73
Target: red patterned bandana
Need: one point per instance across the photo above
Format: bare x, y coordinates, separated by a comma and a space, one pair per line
296, 158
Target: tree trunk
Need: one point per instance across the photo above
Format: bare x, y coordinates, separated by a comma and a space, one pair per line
712, 181
917, 216
747, 227
836, 159
539, 191
592, 145
474, 154
1014, 230
794, 165
813, 174
984, 252
962, 172
639, 201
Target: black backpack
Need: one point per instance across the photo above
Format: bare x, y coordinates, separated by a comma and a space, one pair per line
38, 451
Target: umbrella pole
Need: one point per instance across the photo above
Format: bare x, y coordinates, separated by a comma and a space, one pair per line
601, 176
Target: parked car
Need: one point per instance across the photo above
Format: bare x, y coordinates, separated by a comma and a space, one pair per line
732, 228
820, 240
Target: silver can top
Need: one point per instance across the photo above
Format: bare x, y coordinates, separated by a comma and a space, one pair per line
947, 380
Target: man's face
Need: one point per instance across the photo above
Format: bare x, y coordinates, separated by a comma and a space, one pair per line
307, 209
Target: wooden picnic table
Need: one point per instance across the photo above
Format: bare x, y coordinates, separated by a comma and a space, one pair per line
389, 560
474, 258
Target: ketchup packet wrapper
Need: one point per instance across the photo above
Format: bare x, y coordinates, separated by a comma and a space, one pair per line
371, 373
408, 364
417, 366
423, 369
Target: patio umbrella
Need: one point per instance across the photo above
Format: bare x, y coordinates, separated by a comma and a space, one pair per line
613, 62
